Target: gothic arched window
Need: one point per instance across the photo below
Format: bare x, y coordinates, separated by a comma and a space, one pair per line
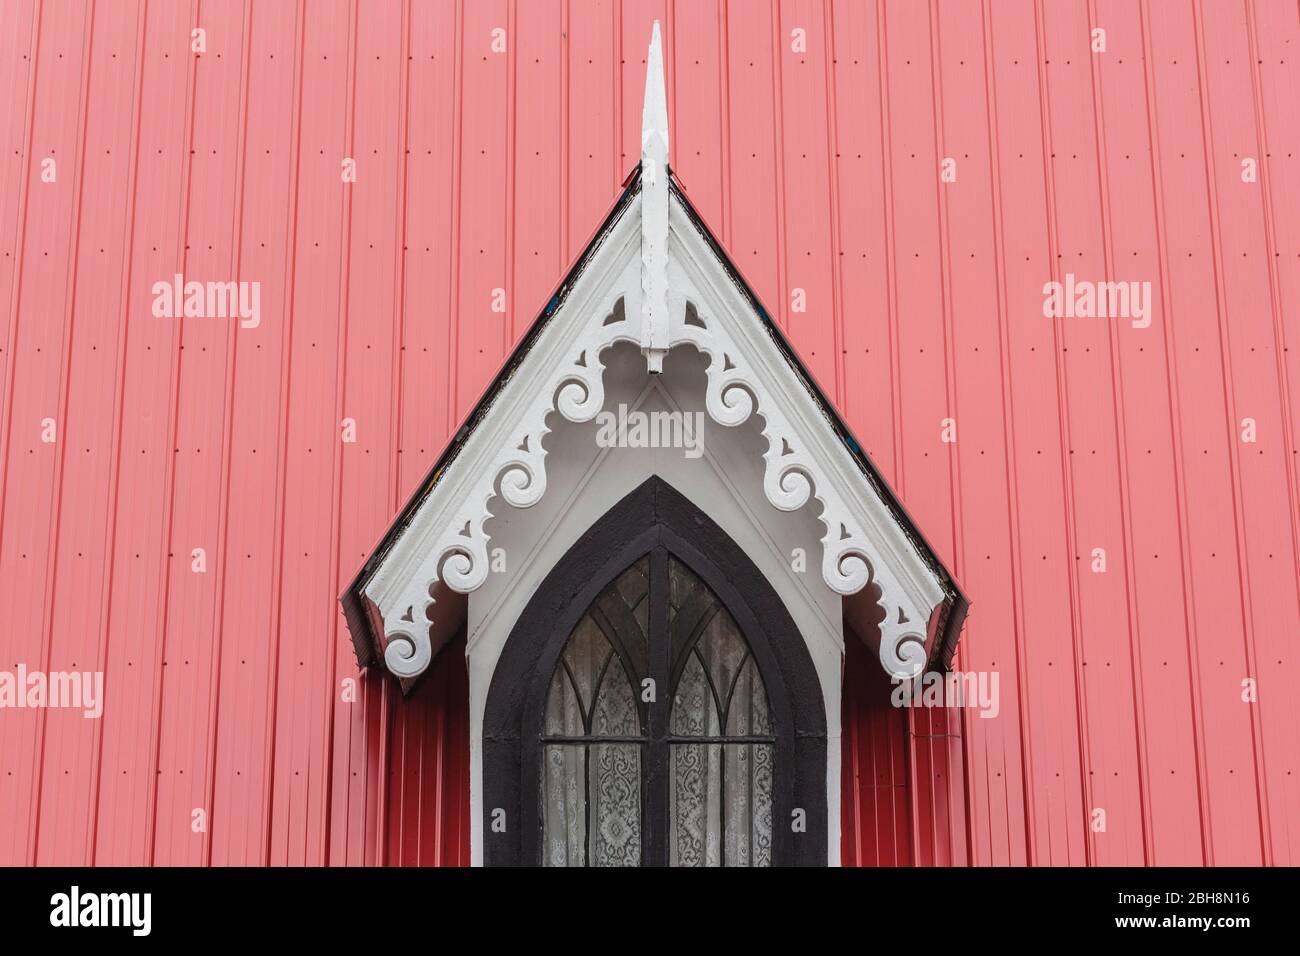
644, 710
719, 745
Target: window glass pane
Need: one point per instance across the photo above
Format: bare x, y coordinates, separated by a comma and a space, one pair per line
682, 584
564, 805
719, 684
693, 805
747, 713
615, 800
571, 684
691, 606
622, 611
720, 802
584, 657
748, 804
591, 805
592, 791
694, 712
633, 588
616, 711
723, 651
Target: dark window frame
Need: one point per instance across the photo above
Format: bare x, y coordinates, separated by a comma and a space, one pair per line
654, 519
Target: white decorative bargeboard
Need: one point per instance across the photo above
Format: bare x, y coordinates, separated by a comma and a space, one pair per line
656, 279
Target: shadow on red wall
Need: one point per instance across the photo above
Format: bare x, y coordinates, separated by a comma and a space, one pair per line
428, 768
901, 781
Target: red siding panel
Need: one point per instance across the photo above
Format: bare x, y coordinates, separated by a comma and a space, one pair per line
811, 135
1217, 630
70, 634
1150, 477
240, 782
876, 818
132, 619
1048, 694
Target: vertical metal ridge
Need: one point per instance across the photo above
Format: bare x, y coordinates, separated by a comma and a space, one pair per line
282, 445
1260, 115
457, 147
1121, 452
1230, 403
509, 334
616, 43
1062, 398
890, 246
726, 174
119, 401
173, 424
396, 403
1010, 462
328, 696
61, 417
944, 233
836, 238
782, 307
228, 429
1175, 412
565, 193
20, 247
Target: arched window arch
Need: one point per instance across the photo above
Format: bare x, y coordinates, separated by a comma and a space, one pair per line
655, 705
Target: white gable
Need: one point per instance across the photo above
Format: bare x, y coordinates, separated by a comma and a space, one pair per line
653, 279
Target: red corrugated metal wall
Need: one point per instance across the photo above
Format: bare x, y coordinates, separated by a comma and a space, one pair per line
875, 788
476, 170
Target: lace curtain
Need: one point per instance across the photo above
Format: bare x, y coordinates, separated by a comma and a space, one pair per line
595, 747
721, 793
591, 791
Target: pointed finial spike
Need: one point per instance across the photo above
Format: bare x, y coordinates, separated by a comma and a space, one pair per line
654, 210
654, 115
